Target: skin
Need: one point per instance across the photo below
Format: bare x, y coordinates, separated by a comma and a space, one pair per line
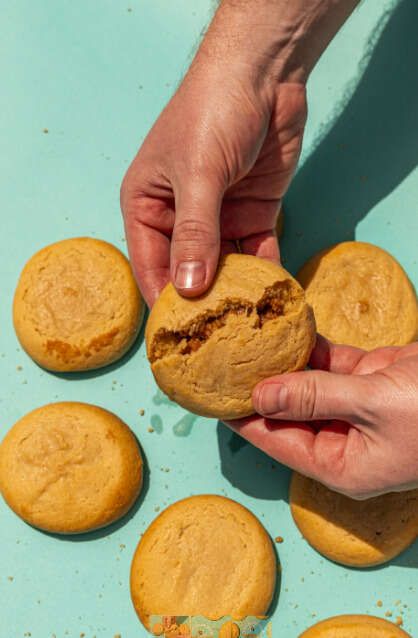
211, 173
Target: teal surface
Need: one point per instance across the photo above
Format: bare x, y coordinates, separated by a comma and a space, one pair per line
96, 74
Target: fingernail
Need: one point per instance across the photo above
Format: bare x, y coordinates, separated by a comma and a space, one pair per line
190, 274
272, 398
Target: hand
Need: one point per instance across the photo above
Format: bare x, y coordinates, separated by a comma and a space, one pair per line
212, 171
351, 423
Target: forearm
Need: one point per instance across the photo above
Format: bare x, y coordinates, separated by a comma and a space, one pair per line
282, 39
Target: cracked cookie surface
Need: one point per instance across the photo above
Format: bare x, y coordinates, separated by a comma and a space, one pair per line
70, 468
350, 532
209, 353
361, 296
204, 555
77, 306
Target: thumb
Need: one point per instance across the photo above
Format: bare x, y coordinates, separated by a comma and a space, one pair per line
317, 395
195, 241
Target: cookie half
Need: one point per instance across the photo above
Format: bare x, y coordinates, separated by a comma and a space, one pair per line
351, 532
208, 353
203, 556
77, 305
70, 468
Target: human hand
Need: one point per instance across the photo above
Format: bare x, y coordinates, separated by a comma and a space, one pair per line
350, 423
214, 167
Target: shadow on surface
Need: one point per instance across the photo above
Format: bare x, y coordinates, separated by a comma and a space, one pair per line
369, 150
249, 469
116, 526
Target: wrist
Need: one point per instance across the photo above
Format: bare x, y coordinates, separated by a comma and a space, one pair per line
272, 40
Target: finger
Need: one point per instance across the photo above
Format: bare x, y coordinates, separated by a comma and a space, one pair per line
196, 237
262, 245
245, 216
334, 358
319, 455
315, 395
149, 252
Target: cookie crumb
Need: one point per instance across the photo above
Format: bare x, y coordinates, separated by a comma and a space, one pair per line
150, 429
157, 509
388, 614
141, 412
10, 578
122, 546
399, 621
379, 603
19, 368
45, 130
279, 539
82, 634
117, 636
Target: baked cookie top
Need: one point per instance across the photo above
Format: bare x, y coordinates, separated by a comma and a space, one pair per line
76, 305
352, 532
208, 353
361, 296
70, 467
204, 555
354, 626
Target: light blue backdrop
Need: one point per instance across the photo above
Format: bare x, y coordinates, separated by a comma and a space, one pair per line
96, 74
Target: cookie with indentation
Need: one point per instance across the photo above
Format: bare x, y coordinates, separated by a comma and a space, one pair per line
351, 532
361, 296
208, 353
203, 556
354, 626
70, 468
77, 305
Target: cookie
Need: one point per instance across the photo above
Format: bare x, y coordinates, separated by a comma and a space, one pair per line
354, 626
203, 556
208, 353
350, 532
77, 305
70, 468
361, 296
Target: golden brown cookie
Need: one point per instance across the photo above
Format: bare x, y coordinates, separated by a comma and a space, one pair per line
361, 296
350, 532
209, 353
70, 468
77, 305
204, 555
354, 626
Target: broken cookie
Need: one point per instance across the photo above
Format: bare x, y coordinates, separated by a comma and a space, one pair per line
208, 353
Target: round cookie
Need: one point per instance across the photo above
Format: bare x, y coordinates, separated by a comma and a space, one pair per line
77, 306
361, 296
70, 468
204, 555
208, 353
350, 532
354, 626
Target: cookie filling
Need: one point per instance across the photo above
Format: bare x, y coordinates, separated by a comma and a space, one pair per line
278, 300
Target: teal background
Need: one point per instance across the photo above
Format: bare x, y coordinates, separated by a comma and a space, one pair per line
96, 76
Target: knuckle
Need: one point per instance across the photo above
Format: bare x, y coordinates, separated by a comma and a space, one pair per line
308, 398
195, 231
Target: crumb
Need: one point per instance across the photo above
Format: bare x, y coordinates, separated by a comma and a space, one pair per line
157, 509
388, 614
399, 621
129, 11
398, 602
279, 539
19, 368
302, 580
114, 382
45, 130
10, 578
150, 429
166, 469
82, 635
141, 412
379, 603
117, 636
122, 546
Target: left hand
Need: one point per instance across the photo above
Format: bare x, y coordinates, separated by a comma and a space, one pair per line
351, 423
